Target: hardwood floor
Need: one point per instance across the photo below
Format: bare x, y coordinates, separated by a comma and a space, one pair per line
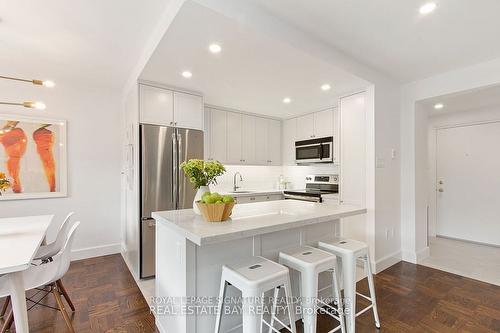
411, 298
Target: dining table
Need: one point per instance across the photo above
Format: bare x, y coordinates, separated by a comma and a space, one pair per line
20, 239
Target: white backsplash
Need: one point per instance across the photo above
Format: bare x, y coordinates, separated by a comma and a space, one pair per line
266, 177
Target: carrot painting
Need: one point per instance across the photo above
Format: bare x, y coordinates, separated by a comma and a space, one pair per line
33, 157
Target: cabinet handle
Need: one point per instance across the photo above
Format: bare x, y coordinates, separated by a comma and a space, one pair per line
171, 123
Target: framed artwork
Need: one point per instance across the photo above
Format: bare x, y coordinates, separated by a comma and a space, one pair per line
33, 156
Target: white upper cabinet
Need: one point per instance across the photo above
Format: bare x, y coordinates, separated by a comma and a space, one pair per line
237, 138
305, 127
233, 138
247, 139
165, 107
188, 111
323, 123
261, 141
274, 142
288, 139
218, 139
315, 125
156, 105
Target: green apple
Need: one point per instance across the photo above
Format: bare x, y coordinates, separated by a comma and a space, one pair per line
217, 196
219, 202
227, 199
210, 199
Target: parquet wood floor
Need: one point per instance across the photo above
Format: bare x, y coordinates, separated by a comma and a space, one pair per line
411, 298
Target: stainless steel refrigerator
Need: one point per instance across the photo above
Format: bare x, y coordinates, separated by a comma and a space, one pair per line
163, 184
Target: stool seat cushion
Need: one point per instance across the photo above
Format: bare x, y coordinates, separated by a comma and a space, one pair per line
254, 271
344, 245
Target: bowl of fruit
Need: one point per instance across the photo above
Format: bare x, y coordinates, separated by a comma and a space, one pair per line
215, 207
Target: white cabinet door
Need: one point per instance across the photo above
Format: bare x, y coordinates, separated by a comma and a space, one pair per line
233, 138
156, 106
188, 111
247, 139
207, 130
218, 140
274, 142
261, 141
305, 127
289, 127
323, 123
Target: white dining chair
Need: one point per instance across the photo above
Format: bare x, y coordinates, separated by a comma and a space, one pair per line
45, 254
46, 274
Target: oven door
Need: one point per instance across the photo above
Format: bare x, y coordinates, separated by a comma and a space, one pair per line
314, 153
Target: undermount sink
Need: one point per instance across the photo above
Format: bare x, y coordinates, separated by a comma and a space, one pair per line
241, 191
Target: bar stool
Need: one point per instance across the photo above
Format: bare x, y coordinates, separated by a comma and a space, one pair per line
309, 262
349, 251
254, 278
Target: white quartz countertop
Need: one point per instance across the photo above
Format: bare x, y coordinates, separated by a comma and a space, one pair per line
253, 219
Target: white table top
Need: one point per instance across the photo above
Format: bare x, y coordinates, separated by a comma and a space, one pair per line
253, 219
20, 238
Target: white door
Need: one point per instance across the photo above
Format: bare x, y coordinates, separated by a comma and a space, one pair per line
288, 141
247, 139
274, 137
468, 183
156, 106
188, 111
261, 141
218, 135
305, 127
234, 138
323, 123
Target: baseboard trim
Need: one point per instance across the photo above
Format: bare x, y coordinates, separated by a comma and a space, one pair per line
96, 251
387, 261
409, 256
423, 254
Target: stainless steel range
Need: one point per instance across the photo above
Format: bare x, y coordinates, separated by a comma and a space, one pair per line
318, 188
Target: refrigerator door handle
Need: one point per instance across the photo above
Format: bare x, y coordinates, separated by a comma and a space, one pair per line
174, 168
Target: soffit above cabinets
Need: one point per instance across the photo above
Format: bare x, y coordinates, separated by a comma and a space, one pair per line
253, 72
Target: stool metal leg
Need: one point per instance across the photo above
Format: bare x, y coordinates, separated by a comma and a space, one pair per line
371, 286
309, 295
222, 294
273, 310
289, 302
349, 272
251, 319
336, 294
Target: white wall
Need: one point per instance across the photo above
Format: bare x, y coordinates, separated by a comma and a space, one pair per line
449, 119
94, 134
472, 77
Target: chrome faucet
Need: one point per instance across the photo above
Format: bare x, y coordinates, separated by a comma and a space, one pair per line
235, 188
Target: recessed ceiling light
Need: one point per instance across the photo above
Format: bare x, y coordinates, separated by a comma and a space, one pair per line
439, 106
287, 100
187, 74
427, 8
326, 87
215, 48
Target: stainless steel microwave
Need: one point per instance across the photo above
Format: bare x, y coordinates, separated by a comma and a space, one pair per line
318, 150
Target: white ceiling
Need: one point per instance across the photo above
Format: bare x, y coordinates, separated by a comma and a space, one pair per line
469, 100
96, 43
392, 36
252, 73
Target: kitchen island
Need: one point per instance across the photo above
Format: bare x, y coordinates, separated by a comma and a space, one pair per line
190, 253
